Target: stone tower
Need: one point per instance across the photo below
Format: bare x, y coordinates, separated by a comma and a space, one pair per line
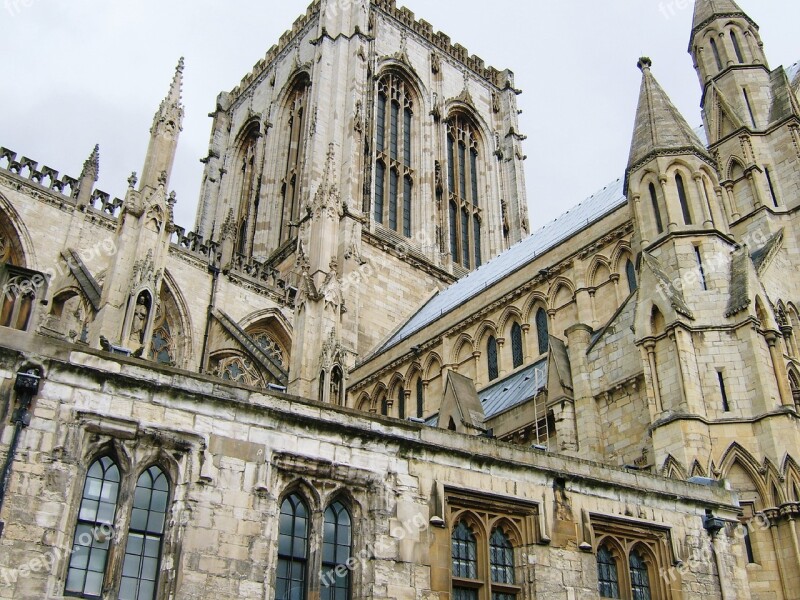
417, 140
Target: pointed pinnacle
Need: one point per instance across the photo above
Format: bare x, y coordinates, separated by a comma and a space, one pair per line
174, 96
91, 167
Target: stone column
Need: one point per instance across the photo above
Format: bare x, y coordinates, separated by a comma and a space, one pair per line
650, 348
708, 221
526, 328
672, 203
779, 367
732, 201
501, 364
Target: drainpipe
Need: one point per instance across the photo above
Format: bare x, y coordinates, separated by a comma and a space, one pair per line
714, 526
26, 386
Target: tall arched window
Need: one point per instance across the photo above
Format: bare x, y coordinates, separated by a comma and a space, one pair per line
336, 550
501, 561
463, 166
630, 273
687, 215
465, 561
542, 334
248, 195
516, 345
656, 209
292, 576
420, 398
145, 536
393, 153
401, 402
93, 532
640, 578
737, 49
491, 358
297, 110
607, 574
717, 57
385, 406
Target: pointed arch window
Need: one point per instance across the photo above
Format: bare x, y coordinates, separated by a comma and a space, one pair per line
640, 578
717, 57
292, 576
94, 530
517, 353
453, 219
297, 110
630, 273
463, 178
465, 562
420, 398
248, 194
656, 209
687, 215
145, 537
393, 153
401, 402
385, 406
337, 542
491, 358
501, 560
542, 334
607, 573
737, 49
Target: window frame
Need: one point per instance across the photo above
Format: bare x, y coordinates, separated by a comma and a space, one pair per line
465, 164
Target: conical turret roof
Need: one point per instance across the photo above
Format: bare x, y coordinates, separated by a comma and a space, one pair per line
660, 129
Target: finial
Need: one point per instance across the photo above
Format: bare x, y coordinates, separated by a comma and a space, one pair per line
177, 84
91, 167
644, 64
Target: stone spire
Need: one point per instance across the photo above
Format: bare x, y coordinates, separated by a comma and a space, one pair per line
167, 125
91, 167
660, 129
706, 11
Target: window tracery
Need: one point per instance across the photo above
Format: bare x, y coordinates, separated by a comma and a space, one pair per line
463, 166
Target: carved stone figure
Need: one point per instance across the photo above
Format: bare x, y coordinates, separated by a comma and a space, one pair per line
139, 321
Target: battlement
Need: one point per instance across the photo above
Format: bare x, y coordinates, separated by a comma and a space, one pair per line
48, 178
501, 79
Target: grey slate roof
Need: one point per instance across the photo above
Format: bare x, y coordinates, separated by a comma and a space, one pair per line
518, 256
515, 390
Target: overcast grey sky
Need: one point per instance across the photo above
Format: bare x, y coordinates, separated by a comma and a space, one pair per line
79, 72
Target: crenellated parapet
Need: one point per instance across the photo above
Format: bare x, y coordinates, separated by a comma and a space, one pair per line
49, 179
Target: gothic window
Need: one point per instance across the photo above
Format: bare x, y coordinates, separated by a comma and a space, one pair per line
145, 536
238, 370
640, 579
94, 530
393, 153
268, 344
248, 190
516, 345
463, 166
717, 56
465, 562
491, 358
687, 215
420, 398
737, 49
297, 114
401, 402
656, 209
501, 562
607, 574
337, 386
543, 336
336, 551
10, 247
161, 346
630, 273
292, 576
794, 386
19, 298
384, 402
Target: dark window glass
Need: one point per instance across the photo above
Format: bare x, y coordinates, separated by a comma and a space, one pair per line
640, 578
465, 237
393, 180
380, 174
607, 576
772, 193
401, 403
717, 57
542, 333
407, 206
630, 272
336, 550
491, 358
385, 407
656, 209
94, 529
407, 137
474, 175
453, 231
381, 122
451, 167
462, 170
516, 345
394, 130
736, 48
464, 552
420, 398
290, 582
501, 558
687, 215
143, 548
